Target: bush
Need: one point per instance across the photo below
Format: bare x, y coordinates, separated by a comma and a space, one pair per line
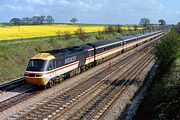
100, 36
109, 29
67, 35
81, 34
119, 29
166, 51
59, 34
162, 100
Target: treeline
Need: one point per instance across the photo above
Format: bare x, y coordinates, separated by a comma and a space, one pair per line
100, 35
166, 51
162, 100
33, 20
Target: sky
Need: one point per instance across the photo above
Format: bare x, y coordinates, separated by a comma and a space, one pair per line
93, 11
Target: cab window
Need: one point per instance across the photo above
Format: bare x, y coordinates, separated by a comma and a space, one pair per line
36, 65
51, 65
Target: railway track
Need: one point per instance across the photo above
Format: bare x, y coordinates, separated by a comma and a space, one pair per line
59, 103
16, 96
19, 94
12, 85
47, 109
95, 107
14, 92
100, 104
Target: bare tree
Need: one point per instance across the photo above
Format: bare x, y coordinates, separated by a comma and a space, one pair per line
109, 29
74, 20
80, 33
59, 34
67, 35
135, 27
118, 28
100, 35
144, 22
15, 21
49, 19
162, 22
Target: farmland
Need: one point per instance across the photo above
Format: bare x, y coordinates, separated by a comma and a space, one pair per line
34, 31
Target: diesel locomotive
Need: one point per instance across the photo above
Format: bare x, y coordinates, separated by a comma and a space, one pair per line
49, 67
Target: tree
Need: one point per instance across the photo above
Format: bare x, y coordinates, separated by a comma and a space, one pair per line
49, 19
42, 19
166, 51
15, 21
36, 19
25, 20
74, 20
177, 29
162, 22
144, 22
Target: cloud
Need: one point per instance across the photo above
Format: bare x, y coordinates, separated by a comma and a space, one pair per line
87, 6
49, 2
13, 7
92, 11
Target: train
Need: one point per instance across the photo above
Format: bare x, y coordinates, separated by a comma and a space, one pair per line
50, 67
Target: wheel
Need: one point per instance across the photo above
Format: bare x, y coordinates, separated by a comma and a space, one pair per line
50, 84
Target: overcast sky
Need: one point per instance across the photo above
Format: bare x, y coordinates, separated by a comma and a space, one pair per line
93, 11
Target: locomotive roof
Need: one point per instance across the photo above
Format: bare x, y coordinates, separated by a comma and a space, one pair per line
68, 51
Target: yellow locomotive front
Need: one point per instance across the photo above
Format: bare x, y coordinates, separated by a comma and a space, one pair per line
37, 69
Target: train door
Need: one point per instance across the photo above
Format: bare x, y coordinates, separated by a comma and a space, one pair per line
82, 59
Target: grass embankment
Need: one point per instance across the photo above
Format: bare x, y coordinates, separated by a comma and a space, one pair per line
162, 101
14, 57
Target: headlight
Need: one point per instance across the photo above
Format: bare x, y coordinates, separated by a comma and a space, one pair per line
26, 74
39, 75
29, 75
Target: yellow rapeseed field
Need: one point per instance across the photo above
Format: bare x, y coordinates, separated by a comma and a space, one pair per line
21, 32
